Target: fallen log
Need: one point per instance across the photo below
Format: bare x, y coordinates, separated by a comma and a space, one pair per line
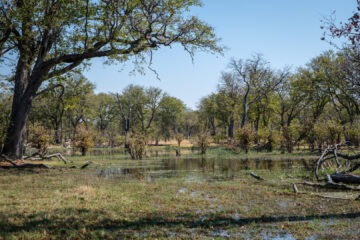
7, 159
333, 152
27, 165
86, 164
331, 185
345, 178
256, 176
21, 166
46, 157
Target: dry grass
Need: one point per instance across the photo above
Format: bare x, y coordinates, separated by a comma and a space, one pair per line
78, 204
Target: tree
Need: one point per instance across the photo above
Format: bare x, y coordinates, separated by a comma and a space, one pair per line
129, 102
208, 112
50, 38
104, 111
257, 80
171, 115
77, 97
229, 90
349, 30
148, 109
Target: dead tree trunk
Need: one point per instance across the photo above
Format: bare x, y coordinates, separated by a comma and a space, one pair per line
332, 153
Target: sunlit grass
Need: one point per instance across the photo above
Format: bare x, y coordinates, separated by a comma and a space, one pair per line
65, 203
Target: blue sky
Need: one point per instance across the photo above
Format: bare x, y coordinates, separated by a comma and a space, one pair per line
286, 32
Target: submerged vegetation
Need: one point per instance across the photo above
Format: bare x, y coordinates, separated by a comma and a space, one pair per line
171, 197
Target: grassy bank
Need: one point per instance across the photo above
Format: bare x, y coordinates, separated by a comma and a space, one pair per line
68, 203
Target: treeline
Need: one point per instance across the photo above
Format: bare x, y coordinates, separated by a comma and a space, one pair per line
68, 111
314, 106
254, 106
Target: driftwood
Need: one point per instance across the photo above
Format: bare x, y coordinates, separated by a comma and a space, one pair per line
332, 185
333, 153
46, 157
256, 176
21, 166
7, 159
86, 164
345, 178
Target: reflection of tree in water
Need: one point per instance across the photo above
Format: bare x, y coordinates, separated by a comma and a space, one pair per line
269, 165
226, 168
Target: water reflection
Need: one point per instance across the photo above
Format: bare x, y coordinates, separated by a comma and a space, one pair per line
198, 168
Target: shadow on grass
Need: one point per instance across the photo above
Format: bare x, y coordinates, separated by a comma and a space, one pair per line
63, 221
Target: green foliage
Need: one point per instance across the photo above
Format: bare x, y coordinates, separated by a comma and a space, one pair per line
179, 138
203, 142
84, 139
39, 139
5, 108
267, 138
137, 145
119, 140
290, 135
352, 133
219, 138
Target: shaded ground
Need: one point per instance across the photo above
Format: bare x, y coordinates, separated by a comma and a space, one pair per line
81, 204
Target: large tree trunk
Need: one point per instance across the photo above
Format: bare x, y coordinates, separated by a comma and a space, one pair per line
16, 131
21, 105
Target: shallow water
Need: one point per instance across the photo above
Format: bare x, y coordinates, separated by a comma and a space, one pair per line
198, 168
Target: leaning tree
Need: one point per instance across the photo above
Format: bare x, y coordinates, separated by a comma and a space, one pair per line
47, 38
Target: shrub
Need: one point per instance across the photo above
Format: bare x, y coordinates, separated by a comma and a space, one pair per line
39, 139
270, 141
203, 142
137, 144
243, 137
83, 140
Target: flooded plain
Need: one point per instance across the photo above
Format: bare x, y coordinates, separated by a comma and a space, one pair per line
200, 168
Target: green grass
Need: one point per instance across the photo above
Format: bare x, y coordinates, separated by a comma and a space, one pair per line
65, 203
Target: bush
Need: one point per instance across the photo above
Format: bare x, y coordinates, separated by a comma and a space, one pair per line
203, 142
179, 138
243, 137
137, 144
39, 139
83, 140
270, 141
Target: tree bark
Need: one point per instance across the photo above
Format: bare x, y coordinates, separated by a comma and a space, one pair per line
345, 178
20, 110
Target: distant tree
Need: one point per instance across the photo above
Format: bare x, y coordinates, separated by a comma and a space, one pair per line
148, 109
50, 38
104, 111
129, 103
208, 110
228, 99
256, 79
170, 115
78, 98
